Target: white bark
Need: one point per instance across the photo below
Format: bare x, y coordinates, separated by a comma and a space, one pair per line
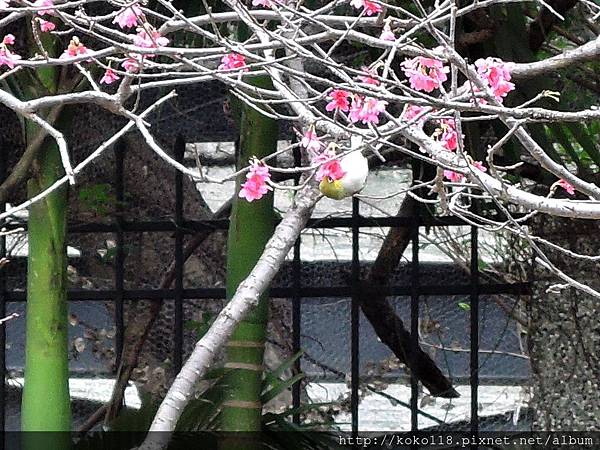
244, 299
504, 191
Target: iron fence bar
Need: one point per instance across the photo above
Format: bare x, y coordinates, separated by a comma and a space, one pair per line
306, 293
297, 304
119, 264
474, 316
296, 321
414, 325
179, 262
355, 317
402, 378
2, 314
192, 226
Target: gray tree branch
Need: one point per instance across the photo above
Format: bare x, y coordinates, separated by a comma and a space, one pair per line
244, 299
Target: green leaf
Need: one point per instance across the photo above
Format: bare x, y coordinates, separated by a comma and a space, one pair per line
279, 387
559, 134
287, 364
588, 144
481, 264
201, 326
132, 420
302, 409
97, 198
465, 306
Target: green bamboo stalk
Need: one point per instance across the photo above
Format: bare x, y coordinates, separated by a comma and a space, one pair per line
46, 403
46, 400
251, 227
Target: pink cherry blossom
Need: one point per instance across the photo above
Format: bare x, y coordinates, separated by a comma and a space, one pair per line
4, 4
109, 77
263, 3
371, 110
567, 186
355, 114
479, 166
332, 170
44, 3
8, 58
411, 112
368, 79
256, 185
387, 34
149, 40
339, 100
233, 61
46, 25
9, 39
496, 73
128, 18
310, 141
473, 91
446, 133
454, 177
75, 48
370, 7
329, 168
366, 110
425, 74
133, 63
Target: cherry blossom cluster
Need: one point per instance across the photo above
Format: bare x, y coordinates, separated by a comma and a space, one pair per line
428, 74
233, 61
256, 184
496, 74
369, 7
363, 109
328, 166
423, 73
358, 98
132, 16
7, 57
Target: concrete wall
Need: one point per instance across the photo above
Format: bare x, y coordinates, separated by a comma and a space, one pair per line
565, 331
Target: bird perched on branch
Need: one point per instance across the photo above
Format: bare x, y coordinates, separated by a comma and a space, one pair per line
347, 176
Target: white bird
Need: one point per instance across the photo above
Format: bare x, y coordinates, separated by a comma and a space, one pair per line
356, 169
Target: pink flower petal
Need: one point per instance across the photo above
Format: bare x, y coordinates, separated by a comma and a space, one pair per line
9, 39
339, 100
109, 77
233, 61
129, 17
46, 26
567, 186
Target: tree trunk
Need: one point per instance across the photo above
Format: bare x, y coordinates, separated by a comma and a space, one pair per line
250, 228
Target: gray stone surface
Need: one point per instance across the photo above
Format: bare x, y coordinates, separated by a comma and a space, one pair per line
565, 332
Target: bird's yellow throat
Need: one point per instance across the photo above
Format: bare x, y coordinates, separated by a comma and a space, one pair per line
331, 189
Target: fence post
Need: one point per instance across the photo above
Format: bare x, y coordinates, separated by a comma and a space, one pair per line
474, 301
119, 265
355, 317
178, 298
297, 304
2, 314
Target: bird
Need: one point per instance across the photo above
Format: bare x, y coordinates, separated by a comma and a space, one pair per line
355, 168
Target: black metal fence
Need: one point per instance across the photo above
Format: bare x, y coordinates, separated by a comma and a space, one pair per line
181, 226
